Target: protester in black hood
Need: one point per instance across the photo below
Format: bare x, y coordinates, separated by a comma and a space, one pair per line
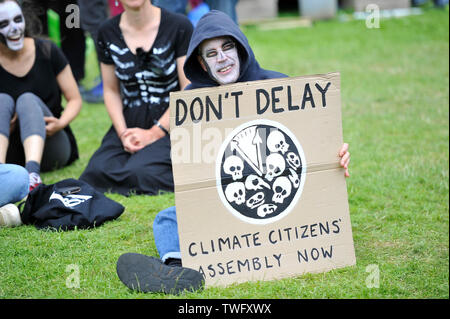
217, 24
218, 54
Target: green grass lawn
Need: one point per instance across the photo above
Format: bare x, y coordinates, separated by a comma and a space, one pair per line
395, 97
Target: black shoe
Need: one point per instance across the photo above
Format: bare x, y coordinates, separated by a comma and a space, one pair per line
149, 274
173, 262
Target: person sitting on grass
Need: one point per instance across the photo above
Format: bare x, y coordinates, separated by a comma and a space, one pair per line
34, 130
218, 54
142, 52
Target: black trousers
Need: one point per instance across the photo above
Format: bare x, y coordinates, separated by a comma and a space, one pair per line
73, 40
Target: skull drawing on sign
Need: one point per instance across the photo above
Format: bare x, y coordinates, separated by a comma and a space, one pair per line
293, 160
266, 209
235, 192
276, 142
282, 188
255, 200
293, 177
233, 166
253, 182
275, 166
260, 171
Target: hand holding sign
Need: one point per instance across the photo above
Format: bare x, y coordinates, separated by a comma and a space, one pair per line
345, 158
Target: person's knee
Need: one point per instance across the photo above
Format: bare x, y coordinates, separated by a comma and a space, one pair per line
26, 98
7, 106
27, 104
168, 214
17, 180
7, 110
23, 180
30, 115
6, 99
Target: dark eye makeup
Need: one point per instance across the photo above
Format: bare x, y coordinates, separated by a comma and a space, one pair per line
225, 47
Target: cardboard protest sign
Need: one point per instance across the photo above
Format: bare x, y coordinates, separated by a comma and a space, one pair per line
259, 190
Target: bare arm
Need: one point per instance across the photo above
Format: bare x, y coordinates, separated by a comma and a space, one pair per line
164, 120
69, 89
181, 76
113, 101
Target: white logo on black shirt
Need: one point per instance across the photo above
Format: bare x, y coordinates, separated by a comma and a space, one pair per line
70, 201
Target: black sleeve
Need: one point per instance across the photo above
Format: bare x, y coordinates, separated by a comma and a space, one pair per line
183, 37
58, 59
104, 55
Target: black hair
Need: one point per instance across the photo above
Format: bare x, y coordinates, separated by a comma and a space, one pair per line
33, 26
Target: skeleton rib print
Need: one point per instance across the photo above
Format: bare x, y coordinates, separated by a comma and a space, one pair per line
147, 77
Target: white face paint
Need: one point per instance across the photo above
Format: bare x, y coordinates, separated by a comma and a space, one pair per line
12, 25
222, 59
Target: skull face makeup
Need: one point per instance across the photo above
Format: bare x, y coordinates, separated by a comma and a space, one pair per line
12, 25
219, 57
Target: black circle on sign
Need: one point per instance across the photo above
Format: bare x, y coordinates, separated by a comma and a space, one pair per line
261, 171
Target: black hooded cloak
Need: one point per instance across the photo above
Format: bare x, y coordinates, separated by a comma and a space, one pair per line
218, 24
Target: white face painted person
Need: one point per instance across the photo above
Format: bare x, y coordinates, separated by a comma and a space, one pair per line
12, 25
219, 57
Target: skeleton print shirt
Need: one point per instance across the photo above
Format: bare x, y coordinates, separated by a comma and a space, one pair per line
146, 78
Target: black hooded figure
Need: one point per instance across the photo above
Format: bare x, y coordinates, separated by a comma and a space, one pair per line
212, 25
149, 274
217, 24
136, 270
